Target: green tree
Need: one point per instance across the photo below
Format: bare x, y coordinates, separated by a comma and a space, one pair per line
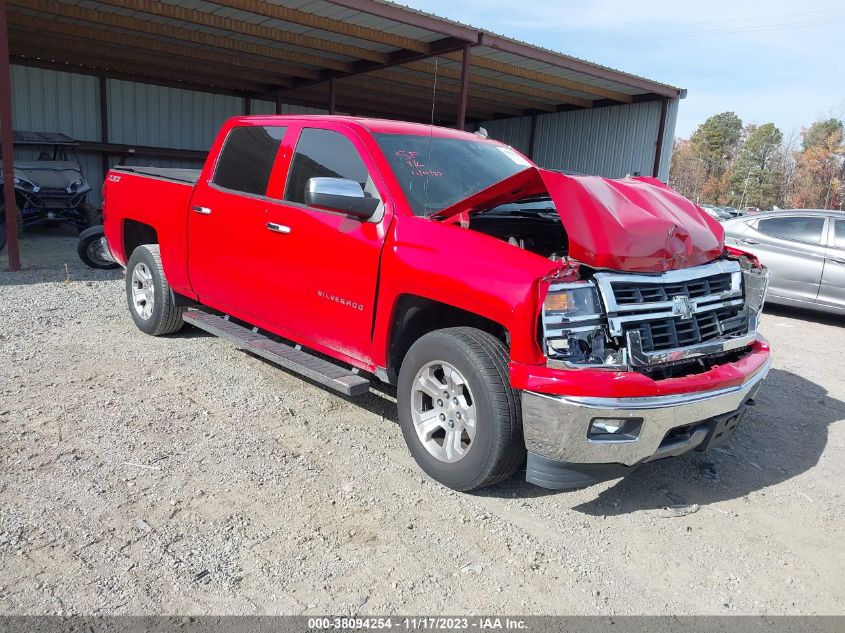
686, 173
715, 144
820, 167
820, 133
716, 141
755, 175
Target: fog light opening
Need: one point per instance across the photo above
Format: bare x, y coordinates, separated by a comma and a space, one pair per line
614, 429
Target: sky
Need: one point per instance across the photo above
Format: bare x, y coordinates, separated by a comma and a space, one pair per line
769, 61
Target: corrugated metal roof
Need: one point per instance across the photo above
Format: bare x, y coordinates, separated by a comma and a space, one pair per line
323, 38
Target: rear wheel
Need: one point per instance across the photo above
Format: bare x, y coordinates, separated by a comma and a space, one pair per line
459, 415
151, 301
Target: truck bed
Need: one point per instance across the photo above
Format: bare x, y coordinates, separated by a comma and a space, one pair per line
184, 176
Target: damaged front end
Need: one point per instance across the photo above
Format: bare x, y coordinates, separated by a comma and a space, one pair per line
676, 320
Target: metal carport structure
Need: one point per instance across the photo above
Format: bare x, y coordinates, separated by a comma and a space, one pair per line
361, 57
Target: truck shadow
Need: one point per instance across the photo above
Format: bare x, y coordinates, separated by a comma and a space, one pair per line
781, 437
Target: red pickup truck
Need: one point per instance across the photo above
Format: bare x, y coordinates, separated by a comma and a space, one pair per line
574, 325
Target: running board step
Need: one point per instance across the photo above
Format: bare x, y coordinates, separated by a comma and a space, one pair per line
295, 360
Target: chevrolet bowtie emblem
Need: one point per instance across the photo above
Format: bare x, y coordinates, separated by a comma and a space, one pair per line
683, 307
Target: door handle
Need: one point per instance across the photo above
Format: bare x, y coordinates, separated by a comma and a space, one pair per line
202, 210
278, 228
838, 260
748, 241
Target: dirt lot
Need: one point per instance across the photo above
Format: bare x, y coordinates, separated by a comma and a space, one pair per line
177, 475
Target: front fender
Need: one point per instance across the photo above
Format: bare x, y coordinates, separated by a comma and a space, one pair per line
464, 269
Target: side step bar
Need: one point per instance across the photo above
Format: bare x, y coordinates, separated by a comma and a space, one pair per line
295, 360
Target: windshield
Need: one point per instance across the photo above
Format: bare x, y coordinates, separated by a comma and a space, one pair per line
435, 173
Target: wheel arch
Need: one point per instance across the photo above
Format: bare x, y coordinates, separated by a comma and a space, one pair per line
135, 234
415, 316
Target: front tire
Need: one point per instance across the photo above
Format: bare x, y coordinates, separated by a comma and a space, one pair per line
151, 301
459, 415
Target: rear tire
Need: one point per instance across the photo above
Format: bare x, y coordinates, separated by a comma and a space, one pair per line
151, 301
484, 453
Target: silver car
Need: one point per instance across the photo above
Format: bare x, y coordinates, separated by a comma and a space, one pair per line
804, 250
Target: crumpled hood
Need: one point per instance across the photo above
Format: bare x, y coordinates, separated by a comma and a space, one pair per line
631, 224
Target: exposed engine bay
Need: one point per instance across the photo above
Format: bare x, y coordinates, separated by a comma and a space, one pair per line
663, 324
532, 224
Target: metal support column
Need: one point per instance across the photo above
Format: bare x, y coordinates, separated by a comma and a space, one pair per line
7, 144
533, 137
247, 106
462, 98
332, 96
278, 102
104, 122
661, 133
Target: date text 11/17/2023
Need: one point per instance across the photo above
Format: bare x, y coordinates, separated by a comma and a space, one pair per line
416, 623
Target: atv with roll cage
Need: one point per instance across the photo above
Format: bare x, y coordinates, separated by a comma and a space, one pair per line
50, 187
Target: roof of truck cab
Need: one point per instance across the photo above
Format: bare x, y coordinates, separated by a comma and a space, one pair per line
374, 126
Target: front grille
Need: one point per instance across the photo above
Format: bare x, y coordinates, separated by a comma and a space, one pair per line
670, 333
627, 293
55, 203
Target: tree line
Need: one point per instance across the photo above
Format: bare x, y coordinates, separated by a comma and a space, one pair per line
727, 163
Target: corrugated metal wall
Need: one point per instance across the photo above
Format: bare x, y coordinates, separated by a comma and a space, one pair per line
139, 114
142, 114
50, 101
611, 141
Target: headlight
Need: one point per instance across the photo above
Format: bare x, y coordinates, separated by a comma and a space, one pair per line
573, 327
20, 182
572, 300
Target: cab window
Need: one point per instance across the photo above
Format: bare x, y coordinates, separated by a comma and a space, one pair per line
325, 153
247, 158
796, 228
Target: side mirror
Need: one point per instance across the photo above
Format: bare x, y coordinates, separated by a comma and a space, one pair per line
341, 195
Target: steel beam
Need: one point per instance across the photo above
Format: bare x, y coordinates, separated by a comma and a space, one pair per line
226, 24
532, 137
570, 63
413, 18
661, 132
462, 95
403, 56
233, 61
322, 23
104, 120
7, 145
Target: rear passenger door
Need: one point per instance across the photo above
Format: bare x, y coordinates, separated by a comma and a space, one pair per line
791, 247
227, 221
832, 290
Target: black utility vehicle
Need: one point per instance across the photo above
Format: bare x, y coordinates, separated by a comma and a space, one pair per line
49, 184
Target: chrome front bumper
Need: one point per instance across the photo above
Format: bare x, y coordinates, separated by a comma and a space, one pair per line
556, 427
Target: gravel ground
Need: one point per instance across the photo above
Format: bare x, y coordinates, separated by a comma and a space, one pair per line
178, 475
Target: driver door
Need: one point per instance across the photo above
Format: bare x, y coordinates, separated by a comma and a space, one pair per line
330, 261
